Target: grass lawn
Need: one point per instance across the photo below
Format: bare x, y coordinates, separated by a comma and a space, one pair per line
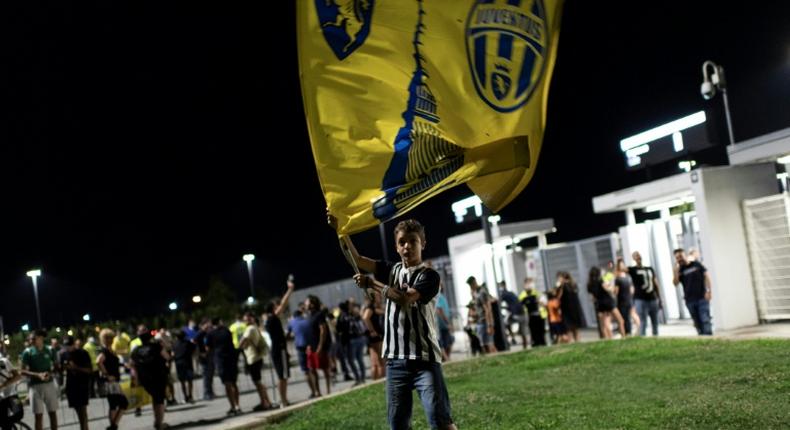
636, 383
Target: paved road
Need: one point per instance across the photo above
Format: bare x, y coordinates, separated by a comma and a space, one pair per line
209, 415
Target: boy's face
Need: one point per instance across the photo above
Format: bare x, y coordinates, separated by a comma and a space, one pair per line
409, 247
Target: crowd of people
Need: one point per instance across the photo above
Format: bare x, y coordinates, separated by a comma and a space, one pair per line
327, 340
329, 343
624, 297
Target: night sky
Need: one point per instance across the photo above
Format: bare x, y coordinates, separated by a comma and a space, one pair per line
138, 158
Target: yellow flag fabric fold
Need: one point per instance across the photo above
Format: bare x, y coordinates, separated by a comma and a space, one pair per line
407, 98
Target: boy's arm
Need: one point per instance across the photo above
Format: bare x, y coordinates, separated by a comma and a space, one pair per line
364, 263
402, 298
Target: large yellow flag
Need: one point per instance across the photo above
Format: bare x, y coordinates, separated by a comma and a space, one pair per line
407, 98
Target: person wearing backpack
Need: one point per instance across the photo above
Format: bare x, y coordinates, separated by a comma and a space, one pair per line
255, 349
149, 362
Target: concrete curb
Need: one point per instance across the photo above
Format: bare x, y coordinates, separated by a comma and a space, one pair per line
283, 412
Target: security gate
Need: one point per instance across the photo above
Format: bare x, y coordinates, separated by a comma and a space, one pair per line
768, 236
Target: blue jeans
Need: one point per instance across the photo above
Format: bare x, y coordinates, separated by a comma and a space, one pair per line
356, 356
208, 378
403, 376
482, 334
643, 308
700, 313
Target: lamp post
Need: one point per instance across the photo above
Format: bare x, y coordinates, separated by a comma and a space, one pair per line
34, 274
248, 258
712, 80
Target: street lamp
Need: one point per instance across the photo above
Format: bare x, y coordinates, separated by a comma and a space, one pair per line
86, 317
172, 306
197, 299
34, 274
249, 258
715, 81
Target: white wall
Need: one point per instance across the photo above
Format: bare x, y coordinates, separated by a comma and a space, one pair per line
518, 261
663, 264
719, 193
635, 238
467, 258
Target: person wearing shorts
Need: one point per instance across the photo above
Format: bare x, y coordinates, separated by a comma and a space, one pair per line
319, 343
220, 344
279, 351
254, 348
38, 363
300, 326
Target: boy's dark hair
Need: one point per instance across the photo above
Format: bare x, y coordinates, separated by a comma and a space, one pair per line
410, 226
39, 333
343, 306
680, 250
215, 321
471, 279
271, 305
180, 335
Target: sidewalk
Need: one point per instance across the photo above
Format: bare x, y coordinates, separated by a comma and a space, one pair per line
210, 415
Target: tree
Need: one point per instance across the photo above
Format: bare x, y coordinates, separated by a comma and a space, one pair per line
220, 301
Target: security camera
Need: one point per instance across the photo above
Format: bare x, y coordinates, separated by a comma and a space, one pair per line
708, 90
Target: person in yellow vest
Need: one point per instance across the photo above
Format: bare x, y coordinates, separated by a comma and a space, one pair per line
121, 346
237, 331
92, 348
137, 342
141, 329
530, 298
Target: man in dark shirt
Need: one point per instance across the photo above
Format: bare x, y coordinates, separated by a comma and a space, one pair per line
517, 314
529, 297
220, 345
77, 363
279, 347
205, 359
149, 364
647, 296
696, 290
182, 355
